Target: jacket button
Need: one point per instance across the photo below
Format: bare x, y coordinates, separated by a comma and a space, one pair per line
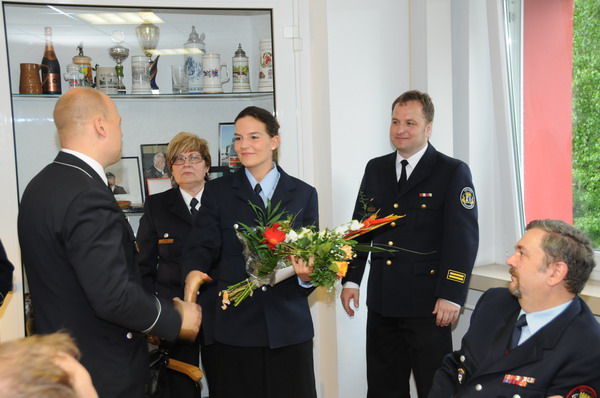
478, 387
395, 205
388, 262
432, 272
390, 243
264, 288
423, 206
516, 396
462, 358
129, 335
166, 235
393, 224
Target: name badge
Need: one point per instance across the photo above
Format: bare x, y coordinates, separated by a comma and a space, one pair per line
165, 241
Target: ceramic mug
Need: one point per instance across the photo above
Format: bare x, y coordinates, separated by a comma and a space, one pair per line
30, 81
106, 79
214, 73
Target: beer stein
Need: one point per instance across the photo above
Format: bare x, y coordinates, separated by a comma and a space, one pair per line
213, 73
30, 81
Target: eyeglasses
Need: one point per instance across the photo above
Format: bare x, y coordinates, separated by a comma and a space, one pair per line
194, 159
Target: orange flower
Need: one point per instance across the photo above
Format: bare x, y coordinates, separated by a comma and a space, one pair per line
348, 250
342, 268
370, 224
273, 236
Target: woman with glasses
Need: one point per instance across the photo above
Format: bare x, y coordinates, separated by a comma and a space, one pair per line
164, 228
264, 345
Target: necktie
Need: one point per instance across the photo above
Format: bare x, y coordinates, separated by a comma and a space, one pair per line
257, 189
516, 334
193, 204
402, 178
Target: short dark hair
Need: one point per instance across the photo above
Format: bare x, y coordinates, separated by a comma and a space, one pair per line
267, 118
423, 98
563, 242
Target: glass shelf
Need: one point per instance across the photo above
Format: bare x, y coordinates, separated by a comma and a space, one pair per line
228, 95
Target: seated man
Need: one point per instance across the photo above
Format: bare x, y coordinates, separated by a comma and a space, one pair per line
553, 349
43, 366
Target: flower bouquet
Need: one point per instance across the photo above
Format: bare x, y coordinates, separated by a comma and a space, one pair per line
269, 245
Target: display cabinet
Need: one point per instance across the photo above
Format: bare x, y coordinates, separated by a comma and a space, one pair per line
149, 118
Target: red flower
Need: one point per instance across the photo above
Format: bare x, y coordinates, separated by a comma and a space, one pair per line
273, 236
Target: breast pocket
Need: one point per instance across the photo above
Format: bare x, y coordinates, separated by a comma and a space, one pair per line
425, 214
170, 246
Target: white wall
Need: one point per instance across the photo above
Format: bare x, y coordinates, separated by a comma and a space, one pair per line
452, 50
368, 68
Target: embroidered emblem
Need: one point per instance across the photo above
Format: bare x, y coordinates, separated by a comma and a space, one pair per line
467, 198
425, 195
520, 381
456, 276
582, 392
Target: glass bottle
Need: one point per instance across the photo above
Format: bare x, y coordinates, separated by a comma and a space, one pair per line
52, 85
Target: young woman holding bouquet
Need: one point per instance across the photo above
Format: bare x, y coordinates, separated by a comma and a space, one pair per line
264, 345
161, 237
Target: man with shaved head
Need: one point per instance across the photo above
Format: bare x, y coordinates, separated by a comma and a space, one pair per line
79, 253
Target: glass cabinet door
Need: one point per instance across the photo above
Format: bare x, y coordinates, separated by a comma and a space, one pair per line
149, 118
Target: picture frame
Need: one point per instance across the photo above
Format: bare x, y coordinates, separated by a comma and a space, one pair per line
127, 185
220, 171
228, 158
155, 168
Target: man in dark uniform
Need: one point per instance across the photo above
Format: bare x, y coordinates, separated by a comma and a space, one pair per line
79, 253
537, 338
414, 293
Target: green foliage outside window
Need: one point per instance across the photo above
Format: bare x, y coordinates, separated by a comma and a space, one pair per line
586, 118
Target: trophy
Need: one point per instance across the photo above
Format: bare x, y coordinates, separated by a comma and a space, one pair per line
119, 54
148, 35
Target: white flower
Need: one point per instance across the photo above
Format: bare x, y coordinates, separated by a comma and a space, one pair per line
355, 225
304, 232
291, 237
342, 229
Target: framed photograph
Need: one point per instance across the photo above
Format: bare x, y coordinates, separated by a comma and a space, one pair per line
124, 180
157, 176
220, 171
227, 155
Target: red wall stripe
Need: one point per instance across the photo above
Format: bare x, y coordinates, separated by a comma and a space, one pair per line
547, 71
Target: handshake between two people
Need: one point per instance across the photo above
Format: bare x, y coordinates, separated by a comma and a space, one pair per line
190, 312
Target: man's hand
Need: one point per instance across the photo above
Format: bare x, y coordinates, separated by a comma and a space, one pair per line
348, 294
193, 281
446, 312
191, 319
302, 268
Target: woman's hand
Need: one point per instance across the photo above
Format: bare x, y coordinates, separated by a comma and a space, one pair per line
193, 281
302, 268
